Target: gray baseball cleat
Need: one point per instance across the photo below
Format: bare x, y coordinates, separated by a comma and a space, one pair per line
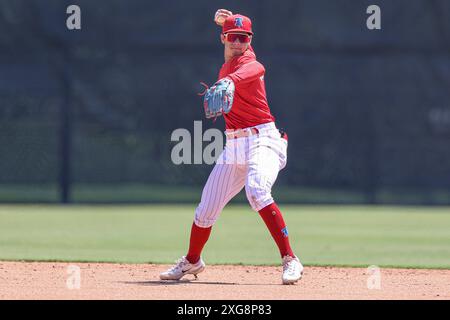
182, 268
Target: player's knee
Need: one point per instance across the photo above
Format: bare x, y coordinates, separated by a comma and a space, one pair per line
258, 197
204, 218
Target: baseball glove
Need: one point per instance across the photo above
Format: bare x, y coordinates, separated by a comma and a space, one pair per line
219, 98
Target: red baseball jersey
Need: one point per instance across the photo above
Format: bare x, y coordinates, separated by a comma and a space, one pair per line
250, 107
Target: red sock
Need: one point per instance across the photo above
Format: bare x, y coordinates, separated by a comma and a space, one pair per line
275, 223
199, 236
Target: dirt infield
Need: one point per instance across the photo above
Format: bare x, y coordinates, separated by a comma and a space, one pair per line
38, 280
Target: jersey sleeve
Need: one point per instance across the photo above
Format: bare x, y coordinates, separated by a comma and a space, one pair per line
247, 71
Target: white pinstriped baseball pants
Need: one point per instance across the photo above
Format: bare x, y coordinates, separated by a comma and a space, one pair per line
253, 162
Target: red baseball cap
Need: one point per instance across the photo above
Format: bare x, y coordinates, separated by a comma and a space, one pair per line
237, 23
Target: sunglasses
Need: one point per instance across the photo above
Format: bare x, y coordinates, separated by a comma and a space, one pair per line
241, 37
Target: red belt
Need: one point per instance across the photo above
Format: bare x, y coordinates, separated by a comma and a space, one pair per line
241, 133
250, 132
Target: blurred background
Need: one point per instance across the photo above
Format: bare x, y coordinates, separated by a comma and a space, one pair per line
86, 115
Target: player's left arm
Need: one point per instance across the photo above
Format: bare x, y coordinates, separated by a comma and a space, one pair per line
247, 72
219, 98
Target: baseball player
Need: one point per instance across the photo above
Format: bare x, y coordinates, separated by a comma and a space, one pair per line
254, 153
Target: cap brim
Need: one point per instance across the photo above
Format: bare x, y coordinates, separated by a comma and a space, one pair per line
239, 30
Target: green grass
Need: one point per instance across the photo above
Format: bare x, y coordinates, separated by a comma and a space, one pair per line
320, 235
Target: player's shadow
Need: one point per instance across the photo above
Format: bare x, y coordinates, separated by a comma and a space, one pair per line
188, 281
175, 282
